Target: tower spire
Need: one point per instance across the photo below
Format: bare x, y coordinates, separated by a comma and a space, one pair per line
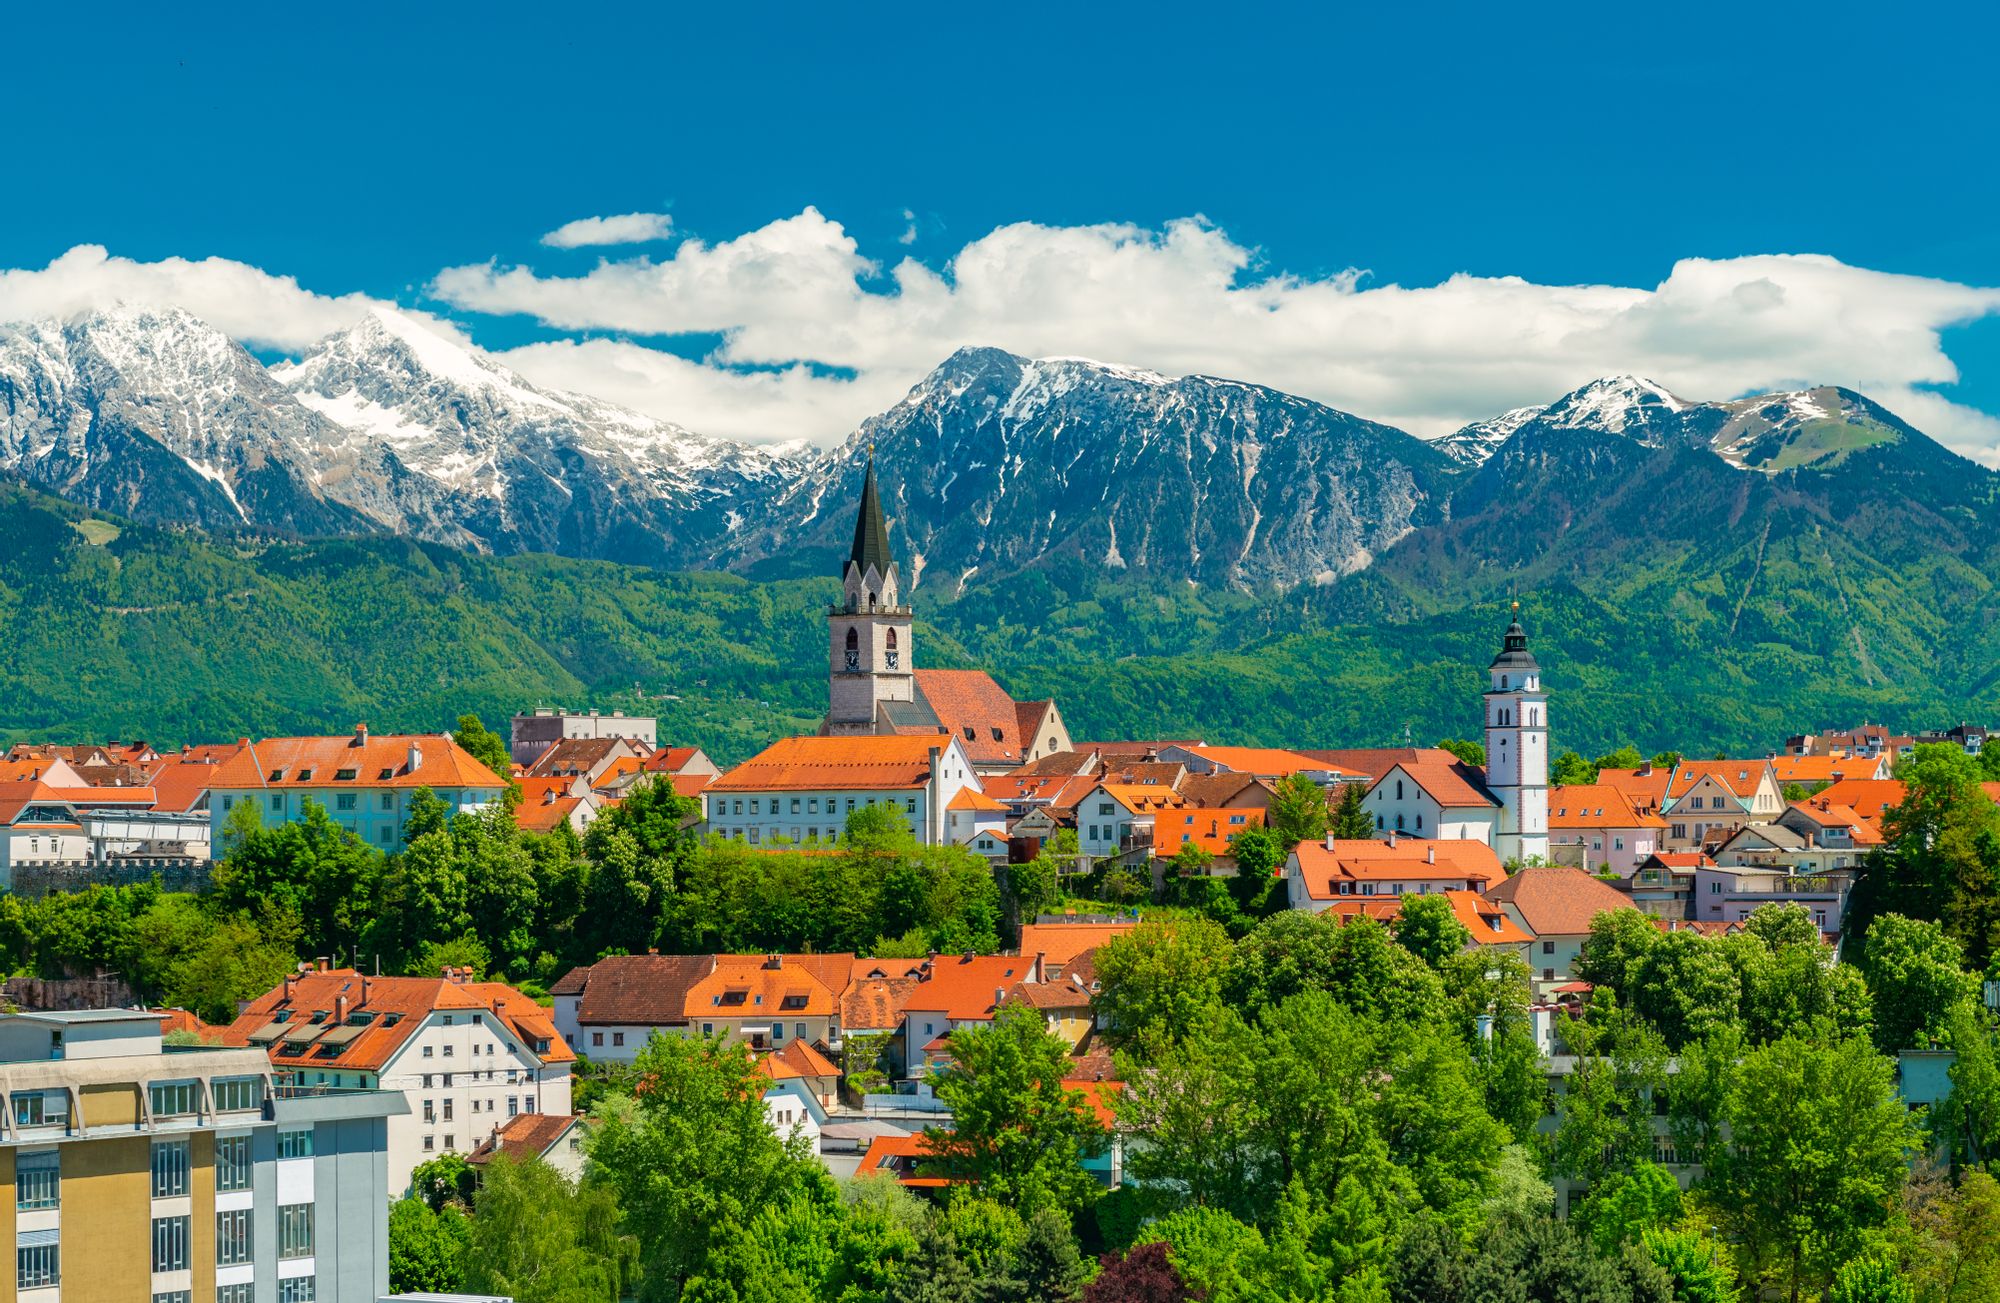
871, 531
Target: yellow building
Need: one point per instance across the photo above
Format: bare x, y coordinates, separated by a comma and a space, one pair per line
182, 1175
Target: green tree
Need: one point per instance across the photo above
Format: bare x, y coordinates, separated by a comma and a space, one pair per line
1158, 978
1699, 1267
1685, 987
426, 1248
1619, 941
1258, 854
1036, 885
1472, 753
1357, 962
937, 1274
1351, 821
1627, 1205
1428, 927
1571, 770
483, 745
1623, 757
1017, 1131
542, 1239
1969, 1119
445, 1180
1818, 1144
1297, 812
1942, 858
1870, 1280
1914, 971
1193, 1100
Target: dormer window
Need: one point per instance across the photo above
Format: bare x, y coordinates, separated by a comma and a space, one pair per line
277, 775
305, 776
344, 775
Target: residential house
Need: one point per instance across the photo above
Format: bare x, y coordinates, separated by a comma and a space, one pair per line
1780, 845
972, 815
467, 1055
803, 788
364, 782
1838, 827
1733, 891
1065, 1005
954, 991
1268, 763
1644, 788
1214, 831
1708, 798
547, 802
1317, 874
1118, 817
1815, 772
1225, 791
141, 1172
1555, 903
1060, 939
767, 1000
1663, 886
608, 1010
554, 1138
588, 758
536, 732
1594, 827
1491, 929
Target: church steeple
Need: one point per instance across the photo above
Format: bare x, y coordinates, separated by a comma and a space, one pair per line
1517, 747
871, 531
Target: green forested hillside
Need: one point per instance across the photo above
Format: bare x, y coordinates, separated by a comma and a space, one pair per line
118, 630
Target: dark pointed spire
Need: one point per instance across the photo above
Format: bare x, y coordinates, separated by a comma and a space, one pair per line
871, 531
1514, 651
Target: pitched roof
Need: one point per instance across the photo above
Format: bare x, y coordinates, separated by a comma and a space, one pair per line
670, 760
1487, 922
368, 760
860, 763
1048, 995
875, 1004
690, 785
639, 990
971, 798
1325, 864
1259, 762
1741, 777
50, 769
182, 778
1028, 717
1212, 830
545, 815
1867, 797
900, 1156
571, 756
1556, 899
1645, 787
1060, 792
871, 528
1220, 790
798, 1059
1826, 769
1366, 762
400, 1005
973, 707
1060, 763
1446, 779
967, 987
1822, 813
1596, 805
1059, 943
762, 986
525, 1135
1141, 797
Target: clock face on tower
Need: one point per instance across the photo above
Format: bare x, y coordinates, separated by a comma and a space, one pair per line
890, 658
853, 659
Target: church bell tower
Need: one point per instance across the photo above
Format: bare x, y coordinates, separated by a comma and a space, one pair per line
1517, 748
870, 654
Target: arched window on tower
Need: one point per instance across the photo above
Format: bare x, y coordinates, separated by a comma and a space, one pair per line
890, 656
853, 648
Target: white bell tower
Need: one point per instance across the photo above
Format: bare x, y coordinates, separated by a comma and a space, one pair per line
1517, 748
869, 658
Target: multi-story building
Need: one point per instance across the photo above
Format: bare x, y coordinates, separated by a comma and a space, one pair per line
466, 1055
536, 731
364, 782
802, 789
142, 1171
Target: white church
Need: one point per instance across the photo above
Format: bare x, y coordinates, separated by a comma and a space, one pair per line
1432, 793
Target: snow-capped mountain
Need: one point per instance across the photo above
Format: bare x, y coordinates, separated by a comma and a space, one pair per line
542, 470
996, 462
385, 427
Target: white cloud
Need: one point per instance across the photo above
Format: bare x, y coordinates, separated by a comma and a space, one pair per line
1187, 298
250, 305
625, 228
909, 235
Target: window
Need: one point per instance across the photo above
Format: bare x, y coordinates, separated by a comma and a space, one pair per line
278, 801
618, 1038
38, 1108
37, 1265
343, 800
427, 1051
450, 1142
1399, 789
1548, 947
513, 1106
235, 1094
170, 1244
295, 1230
447, 1110
175, 1098
244, 1292
232, 1237
232, 1163
297, 1289
800, 1030
388, 800
170, 1168
430, 1111
597, 1038
430, 1143
38, 1180
448, 1050
295, 1144
1104, 807
910, 804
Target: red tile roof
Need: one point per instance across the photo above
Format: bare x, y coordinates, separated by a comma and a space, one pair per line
1259, 762
1223, 791
370, 760
1826, 814
1557, 900
526, 1135
1059, 943
967, 988
848, 763
875, 1004
1486, 921
1448, 780
1742, 777
1827, 769
1645, 787
182, 778
1596, 805
1324, 866
971, 798
762, 987
1366, 762
1215, 831
1867, 797
901, 1157
637, 990
975, 709
400, 1005
795, 1059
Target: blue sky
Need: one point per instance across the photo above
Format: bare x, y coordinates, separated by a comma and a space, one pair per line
363, 151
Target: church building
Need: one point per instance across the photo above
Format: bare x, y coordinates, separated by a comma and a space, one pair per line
1426, 792
874, 688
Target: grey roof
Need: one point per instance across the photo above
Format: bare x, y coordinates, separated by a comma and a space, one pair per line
871, 531
912, 714
1514, 653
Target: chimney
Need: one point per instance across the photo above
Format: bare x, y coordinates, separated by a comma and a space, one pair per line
1645, 768
340, 1009
1329, 839
774, 962
416, 756
291, 981
324, 963
364, 991
360, 736
1430, 855
999, 994
1392, 836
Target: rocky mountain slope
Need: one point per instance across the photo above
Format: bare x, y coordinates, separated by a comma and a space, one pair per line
996, 463
384, 428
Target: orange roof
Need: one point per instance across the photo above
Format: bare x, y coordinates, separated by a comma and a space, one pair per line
1742, 777
49, 768
365, 760
851, 763
973, 707
1827, 769
669, 760
1260, 762
971, 798
1058, 792
1645, 787
760, 987
1325, 864
618, 768
1486, 921
525, 1135
900, 1157
968, 987
795, 1059
1445, 778
400, 1005
1596, 805
690, 785
1826, 814
1557, 899
180, 1020
1097, 1096
1141, 797
181, 779
544, 816
1212, 830
1058, 943
1867, 797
